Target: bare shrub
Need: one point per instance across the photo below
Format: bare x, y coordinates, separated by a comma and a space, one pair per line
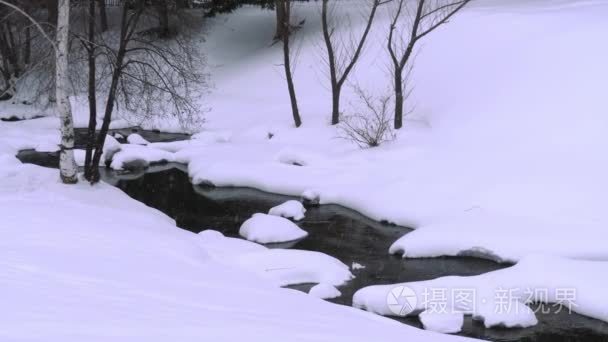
371, 126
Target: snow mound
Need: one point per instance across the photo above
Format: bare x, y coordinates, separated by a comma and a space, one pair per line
133, 156
264, 228
280, 266
324, 291
292, 266
442, 322
357, 266
291, 209
137, 139
311, 197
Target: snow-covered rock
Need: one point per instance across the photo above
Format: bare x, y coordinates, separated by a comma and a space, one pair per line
117, 135
443, 322
139, 156
324, 291
137, 139
264, 228
311, 197
291, 209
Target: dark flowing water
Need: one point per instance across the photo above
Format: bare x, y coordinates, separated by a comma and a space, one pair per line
333, 230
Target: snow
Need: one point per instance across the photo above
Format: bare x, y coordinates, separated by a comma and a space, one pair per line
140, 156
291, 209
502, 157
324, 291
97, 265
311, 196
502, 238
498, 298
219, 246
137, 139
292, 267
14, 109
47, 147
264, 228
280, 266
447, 323
356, 266
504, 147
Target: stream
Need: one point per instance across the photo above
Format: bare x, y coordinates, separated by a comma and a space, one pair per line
334, 230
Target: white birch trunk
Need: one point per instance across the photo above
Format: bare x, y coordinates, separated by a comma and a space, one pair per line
67, 165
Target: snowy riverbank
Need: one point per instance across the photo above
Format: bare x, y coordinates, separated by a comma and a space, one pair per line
503, 157
81, 262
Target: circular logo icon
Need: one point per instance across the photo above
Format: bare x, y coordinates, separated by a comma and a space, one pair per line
401, 300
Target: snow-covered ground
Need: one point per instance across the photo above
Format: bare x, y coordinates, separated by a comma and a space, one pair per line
89, 263
503, 156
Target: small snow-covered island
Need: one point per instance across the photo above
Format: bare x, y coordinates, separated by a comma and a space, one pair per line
294, 170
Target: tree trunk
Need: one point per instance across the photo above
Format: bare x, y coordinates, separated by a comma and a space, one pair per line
103, 18
280, 13
92, 92
287, 63
335, 105
52, 6
27, 47
331, 59
67, 165
107, 117
163, 17
398, 98
27, 44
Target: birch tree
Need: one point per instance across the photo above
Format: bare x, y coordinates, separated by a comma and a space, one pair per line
67, 165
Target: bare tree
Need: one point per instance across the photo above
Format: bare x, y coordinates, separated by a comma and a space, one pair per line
342, 56
287, 33
67, 165
149, 74
371, 126
420, 18
90, 48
